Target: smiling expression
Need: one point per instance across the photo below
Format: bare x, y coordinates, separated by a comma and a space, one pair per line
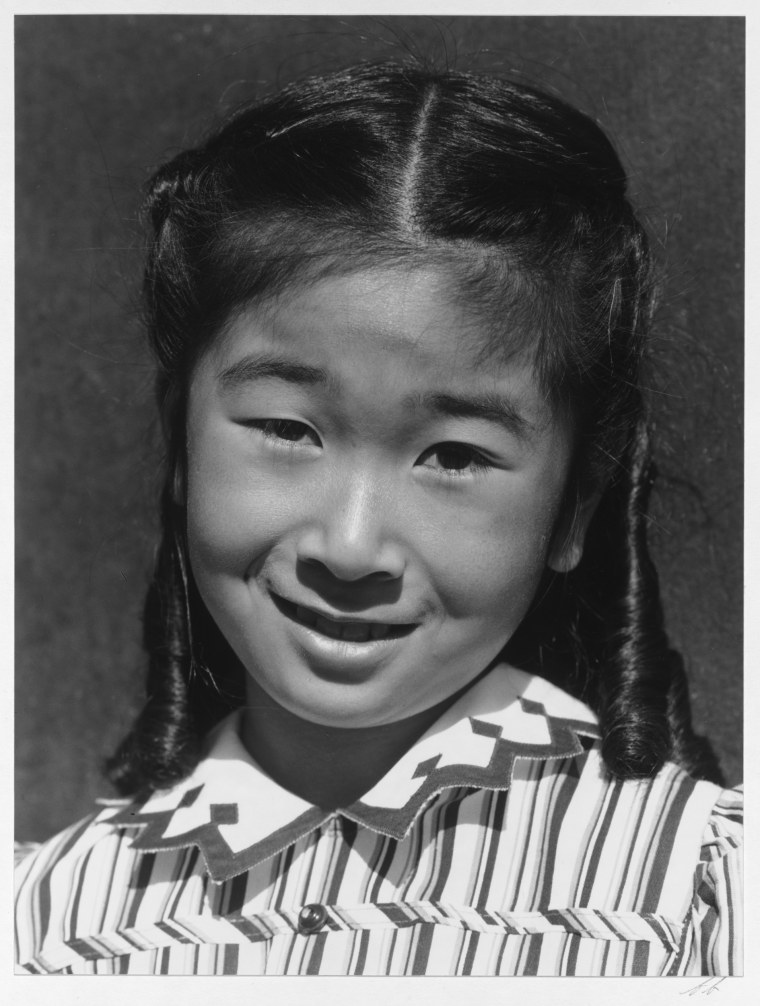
370, 505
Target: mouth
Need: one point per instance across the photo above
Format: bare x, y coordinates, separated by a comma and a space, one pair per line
347, 630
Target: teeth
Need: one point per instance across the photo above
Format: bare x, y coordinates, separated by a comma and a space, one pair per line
332, 629
355, 632
350, 632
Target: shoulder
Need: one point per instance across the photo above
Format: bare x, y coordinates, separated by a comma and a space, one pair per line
695, 819
37, 860
720, 860
725, 826
34, 859
713, 932
66, 882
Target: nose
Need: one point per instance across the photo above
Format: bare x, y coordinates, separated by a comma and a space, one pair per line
353, 532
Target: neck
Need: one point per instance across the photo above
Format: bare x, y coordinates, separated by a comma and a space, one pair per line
330, 767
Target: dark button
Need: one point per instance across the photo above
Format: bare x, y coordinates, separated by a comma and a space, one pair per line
311, 918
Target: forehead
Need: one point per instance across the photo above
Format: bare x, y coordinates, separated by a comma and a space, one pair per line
420, 320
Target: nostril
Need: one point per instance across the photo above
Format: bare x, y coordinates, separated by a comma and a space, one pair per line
351, 565
343, 575
355, 575
348, 594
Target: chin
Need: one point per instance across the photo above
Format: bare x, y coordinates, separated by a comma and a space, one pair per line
347, 714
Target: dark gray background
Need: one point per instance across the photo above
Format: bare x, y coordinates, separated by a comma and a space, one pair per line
100, 99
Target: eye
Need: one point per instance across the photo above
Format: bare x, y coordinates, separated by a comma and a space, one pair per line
454, 459
287, 431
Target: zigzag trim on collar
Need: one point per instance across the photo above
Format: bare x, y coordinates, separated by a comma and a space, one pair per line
565, 742
567, 737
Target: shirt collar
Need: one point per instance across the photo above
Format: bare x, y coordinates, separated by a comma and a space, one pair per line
507, 714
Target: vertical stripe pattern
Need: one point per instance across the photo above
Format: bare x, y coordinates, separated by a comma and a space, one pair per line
554, 870
529, 901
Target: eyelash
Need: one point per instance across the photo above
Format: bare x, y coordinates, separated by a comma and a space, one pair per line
474, 462
273, 429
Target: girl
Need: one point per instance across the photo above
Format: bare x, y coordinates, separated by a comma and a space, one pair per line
411, 708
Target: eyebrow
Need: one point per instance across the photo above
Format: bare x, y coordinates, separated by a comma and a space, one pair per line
493, 408
256, 367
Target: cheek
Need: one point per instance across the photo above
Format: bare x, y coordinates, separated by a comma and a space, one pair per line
491, 566
231, 516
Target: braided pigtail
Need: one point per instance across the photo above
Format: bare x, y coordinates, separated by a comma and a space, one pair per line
164, 741
185, 698
643, 697
634, 683
612, 610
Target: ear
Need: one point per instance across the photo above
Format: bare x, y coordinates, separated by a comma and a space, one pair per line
567, 548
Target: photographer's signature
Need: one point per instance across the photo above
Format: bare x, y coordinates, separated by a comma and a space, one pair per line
705, 988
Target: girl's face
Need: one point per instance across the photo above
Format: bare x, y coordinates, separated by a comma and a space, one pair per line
370, 504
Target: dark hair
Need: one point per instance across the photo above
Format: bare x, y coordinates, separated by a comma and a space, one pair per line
526, 197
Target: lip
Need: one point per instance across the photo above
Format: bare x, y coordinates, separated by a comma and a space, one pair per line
341, 629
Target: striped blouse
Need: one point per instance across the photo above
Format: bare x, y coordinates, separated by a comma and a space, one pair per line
497, 845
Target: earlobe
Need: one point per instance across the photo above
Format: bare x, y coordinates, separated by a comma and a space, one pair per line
564, 558
567, 551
